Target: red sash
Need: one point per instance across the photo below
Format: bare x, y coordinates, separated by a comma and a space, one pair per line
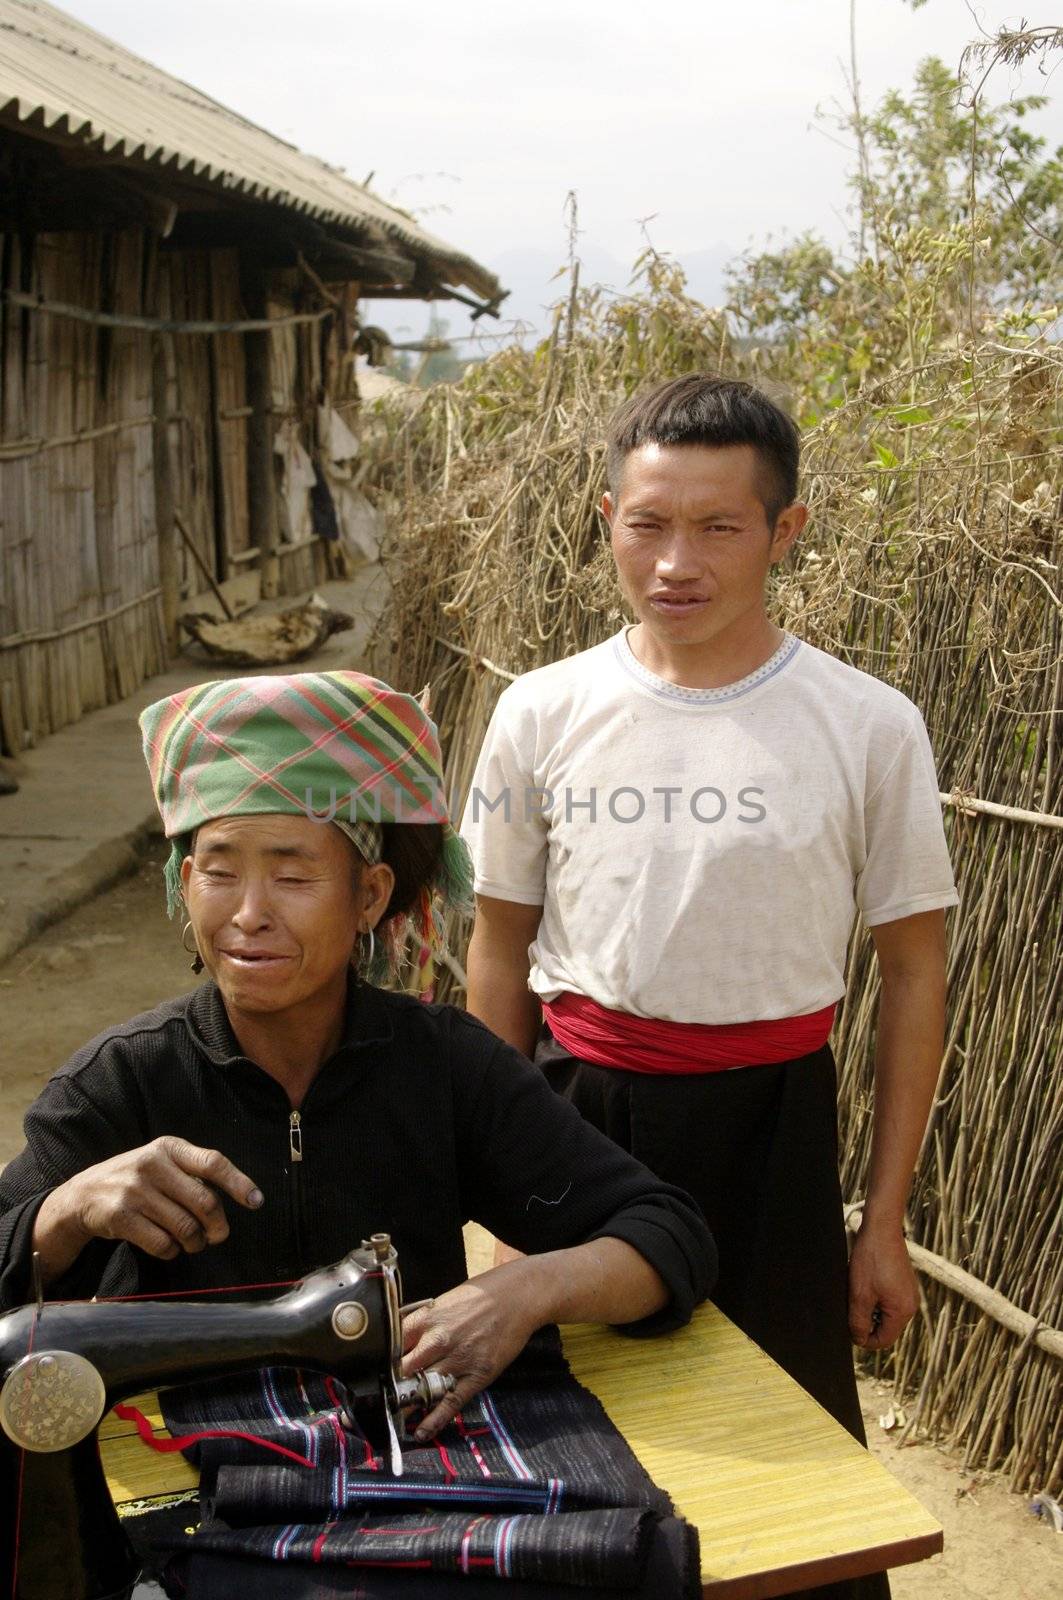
644, 1044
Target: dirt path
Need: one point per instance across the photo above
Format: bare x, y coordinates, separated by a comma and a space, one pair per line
119, 955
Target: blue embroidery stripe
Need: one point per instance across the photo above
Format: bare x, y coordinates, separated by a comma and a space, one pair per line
476, 1492
497, 1427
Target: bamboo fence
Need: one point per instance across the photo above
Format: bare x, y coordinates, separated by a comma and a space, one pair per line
939, 573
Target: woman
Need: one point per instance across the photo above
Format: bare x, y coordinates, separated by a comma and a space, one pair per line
256, 1128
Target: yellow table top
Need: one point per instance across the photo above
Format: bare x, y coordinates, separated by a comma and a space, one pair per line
781, 1496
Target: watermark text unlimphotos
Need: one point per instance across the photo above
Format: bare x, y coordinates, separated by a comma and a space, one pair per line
627, 803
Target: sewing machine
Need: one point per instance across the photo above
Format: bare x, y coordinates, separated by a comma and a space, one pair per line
64, 1364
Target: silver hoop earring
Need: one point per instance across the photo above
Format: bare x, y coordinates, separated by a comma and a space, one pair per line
191, 950
367, 962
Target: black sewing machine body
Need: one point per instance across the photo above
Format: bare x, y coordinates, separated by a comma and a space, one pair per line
64, 1364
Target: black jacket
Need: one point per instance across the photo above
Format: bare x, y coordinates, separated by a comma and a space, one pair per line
421, 1120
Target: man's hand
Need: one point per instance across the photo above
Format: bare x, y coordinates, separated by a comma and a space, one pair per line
162, 1197
472, 1332
883, 1297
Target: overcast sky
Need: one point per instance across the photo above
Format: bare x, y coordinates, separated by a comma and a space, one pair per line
480, 115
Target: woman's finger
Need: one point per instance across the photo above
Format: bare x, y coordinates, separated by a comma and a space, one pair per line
137, 1229
197, 1199
430, 1348
413, 1328
214, 1169
447, 1409
182, 1227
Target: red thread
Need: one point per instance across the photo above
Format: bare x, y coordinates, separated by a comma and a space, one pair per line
186, 1294
421, 1565
448, 1466
470, 1436
370, 1463
182, 1442
330, 1390
319, 1543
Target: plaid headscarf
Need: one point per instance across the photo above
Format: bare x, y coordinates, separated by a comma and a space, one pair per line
335, 745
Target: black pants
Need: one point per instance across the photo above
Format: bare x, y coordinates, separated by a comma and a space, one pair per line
758, 1150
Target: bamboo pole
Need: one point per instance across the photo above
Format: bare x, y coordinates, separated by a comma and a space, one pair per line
164, 506
15, 641
193, 550
104, 319
261, 477
16, 449
990, 808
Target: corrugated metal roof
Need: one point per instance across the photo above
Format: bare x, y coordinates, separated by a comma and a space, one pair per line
55, 69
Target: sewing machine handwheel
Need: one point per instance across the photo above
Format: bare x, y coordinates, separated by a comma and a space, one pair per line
51, 1400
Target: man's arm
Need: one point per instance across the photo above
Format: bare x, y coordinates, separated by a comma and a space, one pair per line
910, 1039
498, 967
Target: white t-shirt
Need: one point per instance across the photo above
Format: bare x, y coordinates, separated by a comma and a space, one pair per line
700, 854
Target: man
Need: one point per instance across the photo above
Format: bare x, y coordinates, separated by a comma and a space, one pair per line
672, 833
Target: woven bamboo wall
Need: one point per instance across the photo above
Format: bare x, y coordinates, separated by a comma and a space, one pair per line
185, 294
79, 609
80, 598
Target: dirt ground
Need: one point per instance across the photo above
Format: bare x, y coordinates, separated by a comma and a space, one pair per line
119, 955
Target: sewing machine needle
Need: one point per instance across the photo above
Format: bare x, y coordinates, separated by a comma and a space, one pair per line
38, 1288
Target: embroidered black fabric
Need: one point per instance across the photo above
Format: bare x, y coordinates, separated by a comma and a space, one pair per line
532, 1492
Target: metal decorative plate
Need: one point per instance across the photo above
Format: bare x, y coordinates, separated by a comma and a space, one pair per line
51, 1400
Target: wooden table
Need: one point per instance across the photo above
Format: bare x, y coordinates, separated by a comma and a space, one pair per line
781, 1496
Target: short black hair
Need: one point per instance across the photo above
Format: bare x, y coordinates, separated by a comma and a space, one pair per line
701, 409
413, 851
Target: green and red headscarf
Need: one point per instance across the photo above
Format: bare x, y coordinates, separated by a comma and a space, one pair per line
338, 746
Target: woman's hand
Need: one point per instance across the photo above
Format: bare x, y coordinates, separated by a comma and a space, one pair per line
163, 1197
473, 1332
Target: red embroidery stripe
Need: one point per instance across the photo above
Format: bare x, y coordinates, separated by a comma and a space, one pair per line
319, 1543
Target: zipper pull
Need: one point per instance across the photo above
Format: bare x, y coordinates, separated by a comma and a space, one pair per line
295, 1137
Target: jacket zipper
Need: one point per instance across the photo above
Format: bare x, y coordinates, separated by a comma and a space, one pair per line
295, 1152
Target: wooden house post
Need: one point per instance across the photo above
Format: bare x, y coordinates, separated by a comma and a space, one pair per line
166, 532
261, 476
